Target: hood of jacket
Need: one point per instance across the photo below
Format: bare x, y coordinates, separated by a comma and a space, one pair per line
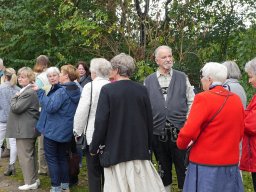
73, 91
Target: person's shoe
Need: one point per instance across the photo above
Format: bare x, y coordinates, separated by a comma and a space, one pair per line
65, 190
42, 173
28, 187
55, 189
10, 170
38, 182
6, 153
64, 187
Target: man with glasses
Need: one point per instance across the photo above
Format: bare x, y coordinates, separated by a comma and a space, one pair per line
171, 96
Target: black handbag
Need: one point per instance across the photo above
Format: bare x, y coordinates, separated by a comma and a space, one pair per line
104, 157
186, 159
74, 160
81, 141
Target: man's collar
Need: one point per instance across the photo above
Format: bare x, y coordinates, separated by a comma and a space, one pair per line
158, 74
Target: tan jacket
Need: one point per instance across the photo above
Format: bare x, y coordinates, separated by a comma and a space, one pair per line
23, 115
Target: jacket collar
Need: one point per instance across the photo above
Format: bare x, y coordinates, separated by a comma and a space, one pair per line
218, 89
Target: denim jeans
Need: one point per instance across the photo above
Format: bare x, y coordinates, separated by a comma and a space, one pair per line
56, 155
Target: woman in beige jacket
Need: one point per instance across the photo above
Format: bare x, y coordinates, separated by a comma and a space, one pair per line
21, 123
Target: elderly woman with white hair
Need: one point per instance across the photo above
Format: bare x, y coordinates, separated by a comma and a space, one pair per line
248, 159
85, 117
56, 123
214, 128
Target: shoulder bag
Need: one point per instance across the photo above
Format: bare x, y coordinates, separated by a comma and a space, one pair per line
186, 160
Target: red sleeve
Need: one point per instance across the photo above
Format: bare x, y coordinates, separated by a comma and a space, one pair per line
250, 122
197, 117
250, 118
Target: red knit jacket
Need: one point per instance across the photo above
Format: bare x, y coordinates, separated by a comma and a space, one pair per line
248, 159
218, 144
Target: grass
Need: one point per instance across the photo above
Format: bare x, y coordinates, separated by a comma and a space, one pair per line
83, 181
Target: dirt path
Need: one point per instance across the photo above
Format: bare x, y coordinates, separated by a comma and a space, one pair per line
11, 183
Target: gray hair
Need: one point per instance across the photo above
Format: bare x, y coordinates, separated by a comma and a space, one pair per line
124, 63
250, 66
233, 70
52, 70
101, 67
216, 71
162, 47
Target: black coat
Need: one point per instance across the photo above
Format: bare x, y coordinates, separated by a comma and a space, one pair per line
123, 122
84, 80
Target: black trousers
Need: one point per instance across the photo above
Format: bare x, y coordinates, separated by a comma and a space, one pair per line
167, 153
95, 172
254, 180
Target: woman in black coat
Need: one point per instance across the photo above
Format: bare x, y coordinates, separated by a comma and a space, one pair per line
124, 129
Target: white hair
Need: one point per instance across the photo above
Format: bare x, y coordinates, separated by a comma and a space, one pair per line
216, 71
233, 70
52, 70
101, 67
250, 66
160, 48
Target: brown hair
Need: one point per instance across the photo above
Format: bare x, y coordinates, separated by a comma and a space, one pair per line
71, 71
42, 62
85, 66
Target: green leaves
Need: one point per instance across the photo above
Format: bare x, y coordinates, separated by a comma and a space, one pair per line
198, 31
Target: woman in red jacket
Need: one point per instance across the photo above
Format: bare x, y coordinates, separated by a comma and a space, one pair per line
215, 125
248, 160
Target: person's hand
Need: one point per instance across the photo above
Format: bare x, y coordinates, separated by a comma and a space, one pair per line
17, 94
93, 154
35, 87
76, 138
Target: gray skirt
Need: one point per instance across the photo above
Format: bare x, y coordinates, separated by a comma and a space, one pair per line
201, 178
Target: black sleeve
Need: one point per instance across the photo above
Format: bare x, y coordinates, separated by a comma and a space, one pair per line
101, 122
149, 120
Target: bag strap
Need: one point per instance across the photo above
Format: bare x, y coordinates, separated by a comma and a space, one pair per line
219, 110
88, 111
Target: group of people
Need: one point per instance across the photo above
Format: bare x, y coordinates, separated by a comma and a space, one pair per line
127, 124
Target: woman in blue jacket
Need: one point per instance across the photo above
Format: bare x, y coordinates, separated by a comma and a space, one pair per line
56, 123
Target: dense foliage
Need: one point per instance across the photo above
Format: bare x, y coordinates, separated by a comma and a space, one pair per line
71, 30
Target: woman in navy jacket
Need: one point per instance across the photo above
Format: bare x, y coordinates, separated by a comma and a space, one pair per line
56, 124
123, 124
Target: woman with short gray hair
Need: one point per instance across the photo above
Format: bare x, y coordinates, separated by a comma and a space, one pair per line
232, 82
248, 159
124, 127
85, 117
124, 64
